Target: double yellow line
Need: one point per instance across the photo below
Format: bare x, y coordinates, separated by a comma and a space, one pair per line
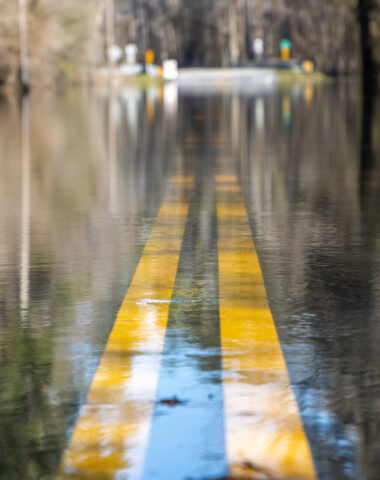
263, 428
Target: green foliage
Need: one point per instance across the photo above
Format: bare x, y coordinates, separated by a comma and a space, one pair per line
287, 77
67, 70
144, 81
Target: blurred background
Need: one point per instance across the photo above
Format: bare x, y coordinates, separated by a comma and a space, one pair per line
84, 172
68, 39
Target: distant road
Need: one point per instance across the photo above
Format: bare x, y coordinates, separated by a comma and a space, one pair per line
250, 78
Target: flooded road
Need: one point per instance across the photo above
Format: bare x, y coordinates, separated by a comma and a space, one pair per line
189, 284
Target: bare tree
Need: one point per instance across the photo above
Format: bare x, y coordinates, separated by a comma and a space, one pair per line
23, 35
369, 68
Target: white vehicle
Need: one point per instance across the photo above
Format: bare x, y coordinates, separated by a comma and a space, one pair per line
170, 69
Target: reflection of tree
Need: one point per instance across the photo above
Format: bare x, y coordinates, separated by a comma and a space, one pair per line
369, 203
25, 206
80, 262
317, 235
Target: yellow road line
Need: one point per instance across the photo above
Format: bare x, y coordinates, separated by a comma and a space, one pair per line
263, 427
113, 429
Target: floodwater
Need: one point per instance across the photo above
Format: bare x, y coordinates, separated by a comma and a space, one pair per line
171, 195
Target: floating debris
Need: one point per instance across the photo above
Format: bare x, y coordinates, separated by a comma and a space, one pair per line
171, 402
249, 471
148, 301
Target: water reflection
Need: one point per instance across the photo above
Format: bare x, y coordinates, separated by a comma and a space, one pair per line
318, 248
79, 196
25, 208
83, 176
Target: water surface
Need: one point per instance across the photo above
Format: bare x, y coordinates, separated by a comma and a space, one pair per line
83, 177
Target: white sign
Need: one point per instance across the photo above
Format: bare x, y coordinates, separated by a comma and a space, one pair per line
131, 53
114, 53
258, 47
170, 69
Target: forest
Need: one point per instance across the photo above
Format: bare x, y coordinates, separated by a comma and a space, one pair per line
67, 39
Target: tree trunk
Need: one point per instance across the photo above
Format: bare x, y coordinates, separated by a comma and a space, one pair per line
23, 35
369, 72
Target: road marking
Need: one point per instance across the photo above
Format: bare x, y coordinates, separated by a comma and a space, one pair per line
187, 437
112, 432
264, 432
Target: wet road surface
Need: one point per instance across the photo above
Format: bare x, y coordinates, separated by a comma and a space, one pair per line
189, 285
